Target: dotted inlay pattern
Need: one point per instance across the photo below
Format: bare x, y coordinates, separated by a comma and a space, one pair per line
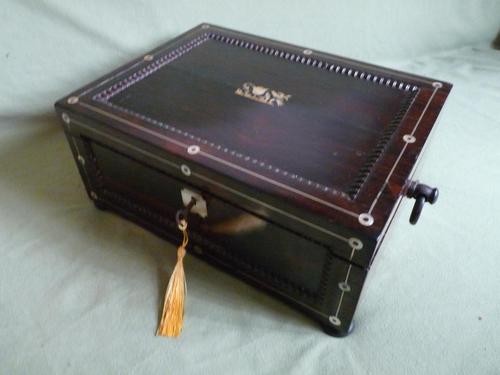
105, 95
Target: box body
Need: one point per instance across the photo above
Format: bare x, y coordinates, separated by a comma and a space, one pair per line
301, 157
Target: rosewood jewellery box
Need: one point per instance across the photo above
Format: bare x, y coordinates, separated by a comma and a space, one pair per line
296, 159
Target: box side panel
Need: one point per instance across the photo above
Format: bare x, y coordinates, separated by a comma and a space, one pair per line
305, 273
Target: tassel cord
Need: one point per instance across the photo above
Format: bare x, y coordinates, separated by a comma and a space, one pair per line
172, 317
173, 306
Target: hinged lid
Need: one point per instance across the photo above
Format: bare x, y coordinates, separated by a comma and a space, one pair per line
333, 137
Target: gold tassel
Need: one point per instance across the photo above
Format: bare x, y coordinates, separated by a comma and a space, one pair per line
173, 306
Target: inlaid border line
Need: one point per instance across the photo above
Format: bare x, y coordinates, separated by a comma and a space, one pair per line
134, 125
343, 292
429, 101
198, 175
79, 155
154, 52
215, 158
110, 78
335, 318
153, 67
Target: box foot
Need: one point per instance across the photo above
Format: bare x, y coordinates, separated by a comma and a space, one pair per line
100, 205
335, 332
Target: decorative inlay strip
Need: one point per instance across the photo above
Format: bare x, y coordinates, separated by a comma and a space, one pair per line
344, 288
436, 88
149, 69
315, 62
377, 151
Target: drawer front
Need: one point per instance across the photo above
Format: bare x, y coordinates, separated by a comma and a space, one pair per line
301, 271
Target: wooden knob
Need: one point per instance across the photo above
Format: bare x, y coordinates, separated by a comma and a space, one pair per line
421, 193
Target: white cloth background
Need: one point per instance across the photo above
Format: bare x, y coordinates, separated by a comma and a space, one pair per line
80, 289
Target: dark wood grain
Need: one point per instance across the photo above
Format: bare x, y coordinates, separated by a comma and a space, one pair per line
340, 135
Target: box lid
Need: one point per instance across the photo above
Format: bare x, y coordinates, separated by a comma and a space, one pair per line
333, 137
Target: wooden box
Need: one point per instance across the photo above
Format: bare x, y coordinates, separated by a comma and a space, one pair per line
298, 158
